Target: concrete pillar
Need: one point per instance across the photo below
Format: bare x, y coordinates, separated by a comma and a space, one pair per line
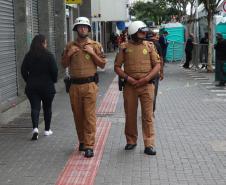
97, 31
43, 14
71, 22
76, 14
60, 20
21, 40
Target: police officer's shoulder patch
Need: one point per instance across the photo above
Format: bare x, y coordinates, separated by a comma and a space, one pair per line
122, 45
149, 45
69, 45
98, 48
94, 44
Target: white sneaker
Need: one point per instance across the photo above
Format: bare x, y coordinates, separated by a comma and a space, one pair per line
34, 134
35, 130
48, 132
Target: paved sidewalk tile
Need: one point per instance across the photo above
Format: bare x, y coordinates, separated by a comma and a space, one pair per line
190, 126
191, 139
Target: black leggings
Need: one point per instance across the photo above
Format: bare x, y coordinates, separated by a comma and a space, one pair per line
188, 59
35, 101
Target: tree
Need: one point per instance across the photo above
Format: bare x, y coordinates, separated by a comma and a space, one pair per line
211, 9
156, 11
160, 10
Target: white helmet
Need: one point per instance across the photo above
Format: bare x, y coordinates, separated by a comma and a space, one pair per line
81, 21
136, 26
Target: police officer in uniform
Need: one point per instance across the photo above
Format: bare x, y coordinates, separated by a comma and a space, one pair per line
141, 64
82, 58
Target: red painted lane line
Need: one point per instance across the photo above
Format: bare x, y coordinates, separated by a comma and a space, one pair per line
110, 100
80, 167
100, 145
104, 103
69, 169
80, 170
106, 98
113, 103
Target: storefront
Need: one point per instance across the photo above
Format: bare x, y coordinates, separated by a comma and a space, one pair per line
8, 71
32, 19
52, 32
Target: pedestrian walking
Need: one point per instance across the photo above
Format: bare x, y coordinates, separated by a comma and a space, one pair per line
188, 50
39, 71
220, 48
141, 64
153, 37
124, 36
164, 44
82, 57
113, 39
204, 50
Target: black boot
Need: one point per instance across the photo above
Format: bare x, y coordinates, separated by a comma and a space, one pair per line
81, 147
89, 152
150, 150
130, 146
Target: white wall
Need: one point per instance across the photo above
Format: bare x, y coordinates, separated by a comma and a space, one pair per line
108, 10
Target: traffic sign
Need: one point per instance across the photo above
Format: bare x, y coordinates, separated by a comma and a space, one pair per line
224, 6
73, 1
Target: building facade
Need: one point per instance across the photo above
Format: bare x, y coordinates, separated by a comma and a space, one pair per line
20, 21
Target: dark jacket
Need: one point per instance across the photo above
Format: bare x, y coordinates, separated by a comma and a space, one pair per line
204, 40
220, 48
39, 72
158, 47
163, 42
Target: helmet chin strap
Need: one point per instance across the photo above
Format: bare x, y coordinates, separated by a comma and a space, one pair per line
82, 36
136, 39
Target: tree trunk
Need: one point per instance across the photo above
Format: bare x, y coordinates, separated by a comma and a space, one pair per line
184, 9
210, 35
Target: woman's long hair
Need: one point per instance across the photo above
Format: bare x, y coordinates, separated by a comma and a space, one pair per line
37, 47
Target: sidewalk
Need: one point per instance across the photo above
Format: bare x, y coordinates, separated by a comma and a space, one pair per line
191, 136
190, 127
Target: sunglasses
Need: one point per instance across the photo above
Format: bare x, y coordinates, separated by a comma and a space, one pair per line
143, 30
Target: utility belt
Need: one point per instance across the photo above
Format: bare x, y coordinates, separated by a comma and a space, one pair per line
68, 81
89, 79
